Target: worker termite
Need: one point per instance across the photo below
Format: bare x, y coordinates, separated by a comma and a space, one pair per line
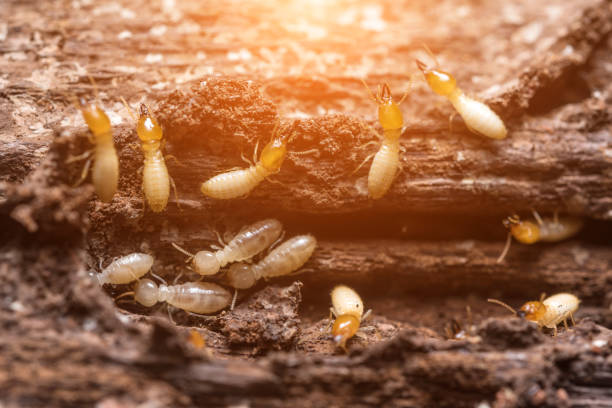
239, 183
547, 312
386, 159
347, 307
105, 169
478, 117
155, 178
245, 245
282, 260
126, 269
544, 229
456, 331
195, 297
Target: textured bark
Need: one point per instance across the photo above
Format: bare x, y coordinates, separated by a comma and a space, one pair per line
218, 76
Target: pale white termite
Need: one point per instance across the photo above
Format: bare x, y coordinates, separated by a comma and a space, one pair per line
239, 183
126, 269
245, 245
105, 169
195, 297
386, 161
553, 229
282, 260
155, 177
347, 307
478, 117
547, 312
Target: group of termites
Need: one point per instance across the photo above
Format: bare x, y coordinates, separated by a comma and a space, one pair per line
207, 297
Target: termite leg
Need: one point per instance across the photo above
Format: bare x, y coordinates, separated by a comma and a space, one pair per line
170, 314
173, 157
278, 241
537, 217
571, 316
366, 314
83, 173
363, 162
234, 299
271, 180
555, 332
374, 132
173, 184
565, 324
177, 278
450, 122
332, 313
220, 239
80, 157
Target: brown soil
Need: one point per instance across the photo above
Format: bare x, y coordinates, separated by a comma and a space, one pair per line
218, 76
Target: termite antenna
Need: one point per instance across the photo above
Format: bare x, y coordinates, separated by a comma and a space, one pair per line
124, 294
499, 302
130, 111
506, 248
95, 87
162, 280
276, 127
432, 55
411, 82
183, 251
374, 97
542, 296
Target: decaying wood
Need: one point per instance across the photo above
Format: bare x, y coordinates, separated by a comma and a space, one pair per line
218, 77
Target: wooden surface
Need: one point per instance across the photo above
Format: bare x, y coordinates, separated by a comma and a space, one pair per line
218, 75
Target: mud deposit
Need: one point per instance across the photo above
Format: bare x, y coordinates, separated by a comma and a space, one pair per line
219, 76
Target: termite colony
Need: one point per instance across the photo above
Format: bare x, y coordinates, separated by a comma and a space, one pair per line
241, 262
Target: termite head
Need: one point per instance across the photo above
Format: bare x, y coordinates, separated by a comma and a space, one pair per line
344, 328
241, 276
532, 311
525, 232
97, 121
206, 263
146, 292
148, 128
439, 81
273, 155
389, 113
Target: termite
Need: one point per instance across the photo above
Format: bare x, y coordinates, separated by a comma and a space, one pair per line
126, 269
195, 297
544, 229
282, 260
456, 331
478, 117
386, 161
155, 177
105, 169
547, 312
239, 183
347, 307
245, 245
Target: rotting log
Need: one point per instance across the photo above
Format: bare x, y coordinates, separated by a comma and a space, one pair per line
436, 234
